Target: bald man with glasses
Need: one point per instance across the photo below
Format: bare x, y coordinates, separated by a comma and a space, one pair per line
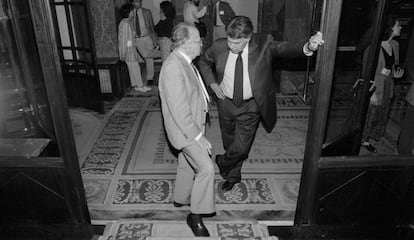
184, 105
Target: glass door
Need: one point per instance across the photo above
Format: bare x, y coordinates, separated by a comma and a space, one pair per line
25, 112
41, 190
342, 194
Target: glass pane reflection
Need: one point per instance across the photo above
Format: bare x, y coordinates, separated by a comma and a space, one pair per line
344, 128
25, 121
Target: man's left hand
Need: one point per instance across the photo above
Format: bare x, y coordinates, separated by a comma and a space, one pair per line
315, 41
205, 144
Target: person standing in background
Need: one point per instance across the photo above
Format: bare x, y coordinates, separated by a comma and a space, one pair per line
222, 15
383, 86
406, 138
191, 12
127, 52
164, 28
184, 106
145, 39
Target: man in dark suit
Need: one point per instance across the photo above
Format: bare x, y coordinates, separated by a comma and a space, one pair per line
238, 70
222, 15
145, 38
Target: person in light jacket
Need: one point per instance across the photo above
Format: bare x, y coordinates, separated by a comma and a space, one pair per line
127, 51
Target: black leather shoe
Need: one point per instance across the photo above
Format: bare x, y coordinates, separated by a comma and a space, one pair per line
227, 186
222, 170
196, 224
369, 147
176, 204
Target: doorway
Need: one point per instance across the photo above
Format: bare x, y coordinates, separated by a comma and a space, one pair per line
71, 20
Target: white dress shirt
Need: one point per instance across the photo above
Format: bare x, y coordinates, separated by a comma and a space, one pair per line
227, 84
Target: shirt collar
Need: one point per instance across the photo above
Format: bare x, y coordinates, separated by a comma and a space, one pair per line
186, 57
245, 50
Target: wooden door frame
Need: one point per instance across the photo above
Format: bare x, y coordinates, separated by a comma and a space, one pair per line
52, 184
77, 69
45, 37
331, 11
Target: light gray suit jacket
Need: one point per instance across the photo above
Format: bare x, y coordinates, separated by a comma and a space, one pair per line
182, 101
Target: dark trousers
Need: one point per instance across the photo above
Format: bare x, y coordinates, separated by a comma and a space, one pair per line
238, 128
406, 139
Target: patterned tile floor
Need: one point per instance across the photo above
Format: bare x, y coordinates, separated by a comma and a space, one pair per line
125, 191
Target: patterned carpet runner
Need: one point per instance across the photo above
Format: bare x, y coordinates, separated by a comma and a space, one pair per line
128, 167
170, 230
130, 170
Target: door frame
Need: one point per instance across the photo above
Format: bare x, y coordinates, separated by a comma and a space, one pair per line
80, 73
62, 164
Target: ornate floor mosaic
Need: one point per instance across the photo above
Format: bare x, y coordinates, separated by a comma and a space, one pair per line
130, 170
126, 194
147, 151
278, 151
135, 230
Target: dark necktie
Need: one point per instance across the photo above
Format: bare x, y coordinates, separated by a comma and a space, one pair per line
238, 81
196, 72
137, 27
198, 79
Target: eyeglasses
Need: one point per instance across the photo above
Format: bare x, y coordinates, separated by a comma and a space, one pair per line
200, 42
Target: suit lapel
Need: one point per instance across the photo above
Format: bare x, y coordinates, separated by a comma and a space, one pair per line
252, 50
221, 61
252, 60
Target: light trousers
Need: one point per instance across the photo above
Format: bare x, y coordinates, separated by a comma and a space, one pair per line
134, 71
195, 180
145, 47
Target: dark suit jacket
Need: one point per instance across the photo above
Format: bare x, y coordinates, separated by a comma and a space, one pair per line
228, 13
261, 52
149, 22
